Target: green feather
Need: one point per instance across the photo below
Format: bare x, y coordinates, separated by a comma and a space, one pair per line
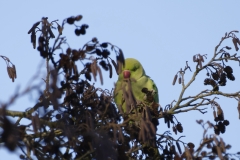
139, 80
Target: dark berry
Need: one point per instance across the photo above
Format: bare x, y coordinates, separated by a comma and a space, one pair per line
70, 20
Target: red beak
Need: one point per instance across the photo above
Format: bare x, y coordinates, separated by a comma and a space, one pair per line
126, 74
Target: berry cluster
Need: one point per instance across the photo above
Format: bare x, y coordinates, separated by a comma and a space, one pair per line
220, 127
221, 123
219, 78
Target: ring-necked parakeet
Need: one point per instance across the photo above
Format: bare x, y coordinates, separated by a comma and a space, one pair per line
134, 75
136, 96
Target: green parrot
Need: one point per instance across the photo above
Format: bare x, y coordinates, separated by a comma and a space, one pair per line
141, 87
136, 96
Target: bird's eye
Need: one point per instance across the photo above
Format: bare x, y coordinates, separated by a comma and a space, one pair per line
134, 68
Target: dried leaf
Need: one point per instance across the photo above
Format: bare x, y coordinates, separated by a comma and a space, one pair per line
178, 147
214, 114
200, 63
60, 29
238, 41
33, 39
9, 72
115, 65
35, 123
179, 80
121, 57
194, 58
222, 145
15, 72
100, 74
220, 113
119, 66
235, 42
175, 79
110, 70
94, 69
201, 58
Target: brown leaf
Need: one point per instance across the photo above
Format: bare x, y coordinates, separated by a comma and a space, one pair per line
175, 79
119, 66
15, 72
234, 40
200, 63
179, 80
194, 58
220, 113
33, 39
60, 29
110, 70
94, 69
238, 41
100, 74
9, 72
222, 145
115, 66
201, 58
121, 57
178, 147
35, 123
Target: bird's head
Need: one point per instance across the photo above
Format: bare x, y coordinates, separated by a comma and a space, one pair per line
132, 69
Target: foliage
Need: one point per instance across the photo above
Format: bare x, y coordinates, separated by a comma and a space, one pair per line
81, 121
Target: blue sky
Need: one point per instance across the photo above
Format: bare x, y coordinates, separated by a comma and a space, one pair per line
162, 35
